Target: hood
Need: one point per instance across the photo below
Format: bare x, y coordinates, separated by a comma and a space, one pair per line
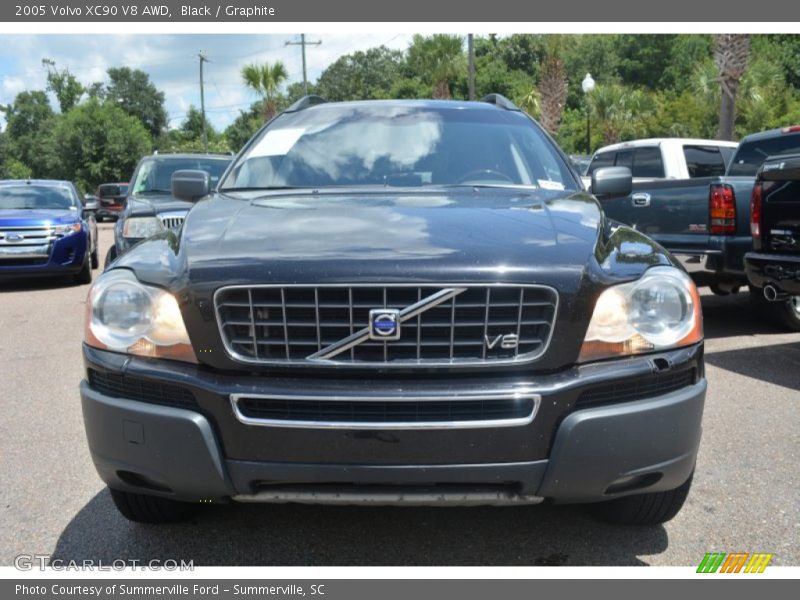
16, 217
481, 235
154, 204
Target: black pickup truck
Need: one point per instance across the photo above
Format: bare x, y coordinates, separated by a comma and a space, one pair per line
774, 264
704, 222
395, 302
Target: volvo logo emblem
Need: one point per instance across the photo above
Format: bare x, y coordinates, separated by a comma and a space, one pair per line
384, 324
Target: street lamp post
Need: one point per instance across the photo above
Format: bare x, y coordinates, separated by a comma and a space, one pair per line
588, 85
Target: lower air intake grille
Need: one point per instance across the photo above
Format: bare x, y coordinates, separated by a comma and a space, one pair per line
377, 413
132, 388
627, 390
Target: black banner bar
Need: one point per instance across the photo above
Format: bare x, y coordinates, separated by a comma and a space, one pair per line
441, 11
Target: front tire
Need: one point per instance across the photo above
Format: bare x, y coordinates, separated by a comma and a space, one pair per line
84, 276
110, 256
95, 259
142, 508
644, 509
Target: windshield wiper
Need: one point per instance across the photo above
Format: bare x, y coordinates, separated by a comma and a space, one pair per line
266, 188
155, 191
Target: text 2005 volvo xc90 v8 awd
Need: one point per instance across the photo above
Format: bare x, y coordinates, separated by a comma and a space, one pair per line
409, 302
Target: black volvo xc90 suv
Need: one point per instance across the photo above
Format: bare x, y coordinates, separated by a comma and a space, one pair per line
409, 302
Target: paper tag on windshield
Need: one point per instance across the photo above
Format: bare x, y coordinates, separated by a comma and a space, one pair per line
277, 142
547, 184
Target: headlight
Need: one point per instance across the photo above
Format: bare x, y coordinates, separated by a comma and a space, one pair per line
124, 315
141, 227
63, 230
661, 310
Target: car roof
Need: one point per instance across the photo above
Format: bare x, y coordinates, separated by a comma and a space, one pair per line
410, 103
40, 182
769, 133
183, 155
649, 142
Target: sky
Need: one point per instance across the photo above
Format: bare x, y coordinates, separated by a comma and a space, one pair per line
172, 63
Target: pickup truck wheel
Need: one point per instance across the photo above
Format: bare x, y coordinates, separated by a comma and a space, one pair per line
786, 313
789, 313
84, 276
644, 509
142, 508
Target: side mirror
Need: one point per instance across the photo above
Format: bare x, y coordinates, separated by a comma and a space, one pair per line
190, 186
612, 181
90, 207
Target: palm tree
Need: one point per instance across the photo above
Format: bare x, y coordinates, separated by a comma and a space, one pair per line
552, 90
265, 80
731, 53
617, 110
440, 58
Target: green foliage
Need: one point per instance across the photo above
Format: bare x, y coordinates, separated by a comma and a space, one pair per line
265, 80
361, 75
438, 60
244, 127
28, 120
63, 84
95, 142
132, 90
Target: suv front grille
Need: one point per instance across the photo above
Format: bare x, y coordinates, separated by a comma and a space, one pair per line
171, 221
392, 413
439, 325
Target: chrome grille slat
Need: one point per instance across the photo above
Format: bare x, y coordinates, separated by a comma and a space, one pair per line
440, 324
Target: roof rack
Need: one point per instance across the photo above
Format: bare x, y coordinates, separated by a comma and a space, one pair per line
306, 102
500, 101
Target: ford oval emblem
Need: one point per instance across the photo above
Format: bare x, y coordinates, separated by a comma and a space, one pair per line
384, 324
14, 237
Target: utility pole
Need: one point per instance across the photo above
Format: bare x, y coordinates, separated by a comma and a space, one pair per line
303, 43
471, 67
203, 59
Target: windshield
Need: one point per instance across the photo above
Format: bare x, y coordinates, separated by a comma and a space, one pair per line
751, 155
36, 197
391, 145
155, 174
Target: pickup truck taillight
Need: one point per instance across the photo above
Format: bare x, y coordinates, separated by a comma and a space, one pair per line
755, 211
722, 210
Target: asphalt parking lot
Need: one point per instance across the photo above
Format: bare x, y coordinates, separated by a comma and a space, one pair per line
746, 494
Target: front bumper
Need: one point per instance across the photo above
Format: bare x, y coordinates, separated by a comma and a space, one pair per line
780, 270
567, 453
63, 256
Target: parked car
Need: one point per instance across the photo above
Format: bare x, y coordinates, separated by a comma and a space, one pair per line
111, 199
667, 158
46, 230
773, 267
150, 207
396, 302
703, 221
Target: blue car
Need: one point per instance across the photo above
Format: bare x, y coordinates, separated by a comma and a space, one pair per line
46, 230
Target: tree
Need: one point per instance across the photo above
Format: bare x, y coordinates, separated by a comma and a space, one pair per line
95, 142
133, 92
27, 120
265, 80
439, 60
361, 75
66, 87
617, 112
244, 127
731, 52
552, 89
